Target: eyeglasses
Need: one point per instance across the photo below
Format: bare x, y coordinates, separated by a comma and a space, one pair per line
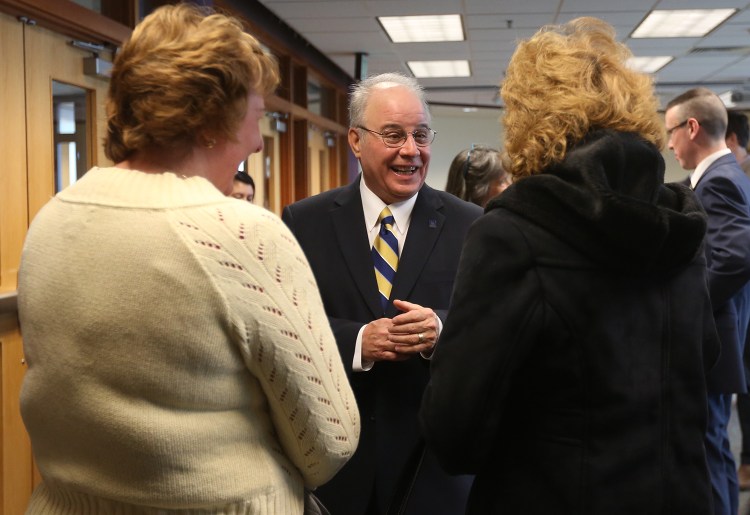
396, 138
670, 131
467, 164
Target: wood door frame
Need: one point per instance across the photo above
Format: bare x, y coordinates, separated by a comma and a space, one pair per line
32, 57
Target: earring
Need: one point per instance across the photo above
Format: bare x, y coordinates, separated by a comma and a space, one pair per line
210, 143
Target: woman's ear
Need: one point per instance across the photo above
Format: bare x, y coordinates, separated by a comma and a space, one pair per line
206, 140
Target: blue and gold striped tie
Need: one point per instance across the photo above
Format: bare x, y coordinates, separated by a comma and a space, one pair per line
385, 256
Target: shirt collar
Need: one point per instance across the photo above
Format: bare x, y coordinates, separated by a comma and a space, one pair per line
703, 165
372, 206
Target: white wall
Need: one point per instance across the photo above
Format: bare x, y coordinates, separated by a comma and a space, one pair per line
457, 130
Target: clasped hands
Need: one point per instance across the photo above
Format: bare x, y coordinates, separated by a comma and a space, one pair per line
401, 337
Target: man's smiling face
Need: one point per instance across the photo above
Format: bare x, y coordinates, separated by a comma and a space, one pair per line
393, 174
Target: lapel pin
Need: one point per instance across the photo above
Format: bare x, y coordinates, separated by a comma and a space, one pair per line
432, 223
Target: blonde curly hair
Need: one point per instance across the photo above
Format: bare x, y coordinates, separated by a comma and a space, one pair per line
185, 71
566, 81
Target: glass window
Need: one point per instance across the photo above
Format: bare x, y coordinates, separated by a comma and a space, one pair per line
121, 11
70, 107
94, 5
314, 96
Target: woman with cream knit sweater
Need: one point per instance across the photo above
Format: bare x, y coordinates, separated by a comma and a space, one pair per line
180, 360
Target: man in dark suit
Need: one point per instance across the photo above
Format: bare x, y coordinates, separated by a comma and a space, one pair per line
387, 326
696, 122
736, 138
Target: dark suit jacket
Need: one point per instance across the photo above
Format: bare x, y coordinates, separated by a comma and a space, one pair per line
330, 227
724, 192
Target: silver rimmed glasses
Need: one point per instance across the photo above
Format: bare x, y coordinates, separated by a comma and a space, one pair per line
396, 138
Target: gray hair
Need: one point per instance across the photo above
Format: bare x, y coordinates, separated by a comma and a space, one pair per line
361, 91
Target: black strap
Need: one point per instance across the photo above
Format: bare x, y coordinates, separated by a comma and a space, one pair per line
406, 480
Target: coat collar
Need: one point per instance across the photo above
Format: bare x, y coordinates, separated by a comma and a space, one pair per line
607, 199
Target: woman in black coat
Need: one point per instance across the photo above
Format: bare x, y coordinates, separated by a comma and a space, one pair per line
569, 376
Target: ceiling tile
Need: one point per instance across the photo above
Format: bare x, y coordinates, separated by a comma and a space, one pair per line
339, 28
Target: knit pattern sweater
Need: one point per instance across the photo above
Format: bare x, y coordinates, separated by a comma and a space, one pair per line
179, 357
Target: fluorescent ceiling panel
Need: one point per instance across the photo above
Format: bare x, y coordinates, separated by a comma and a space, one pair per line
649, 64
432, 69
727, 98
419, 29
738, 98
681, 23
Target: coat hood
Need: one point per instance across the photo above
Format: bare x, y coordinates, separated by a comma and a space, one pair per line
607, 199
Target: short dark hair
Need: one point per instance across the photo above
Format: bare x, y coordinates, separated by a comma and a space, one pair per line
243, 177
737, 124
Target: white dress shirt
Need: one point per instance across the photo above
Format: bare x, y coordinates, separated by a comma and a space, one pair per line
703, 165
401, 211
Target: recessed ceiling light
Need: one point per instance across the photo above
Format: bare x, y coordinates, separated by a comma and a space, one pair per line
735, 97
417, 29
648, 64
433, 69
681, 23
727, 98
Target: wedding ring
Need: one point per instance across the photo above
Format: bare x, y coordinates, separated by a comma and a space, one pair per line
421, 337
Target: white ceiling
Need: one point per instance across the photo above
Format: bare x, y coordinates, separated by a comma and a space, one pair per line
341, 28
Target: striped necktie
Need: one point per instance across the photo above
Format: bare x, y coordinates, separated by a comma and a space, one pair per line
385, 256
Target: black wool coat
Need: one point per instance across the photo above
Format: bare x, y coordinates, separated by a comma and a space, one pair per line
570, 375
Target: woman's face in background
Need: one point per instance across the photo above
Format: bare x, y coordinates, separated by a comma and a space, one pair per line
497, 187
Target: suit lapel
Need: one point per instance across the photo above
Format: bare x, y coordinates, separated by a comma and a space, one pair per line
425, 227
349, 225
726, 158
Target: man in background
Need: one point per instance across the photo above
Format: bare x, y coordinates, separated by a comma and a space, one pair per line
243, 187
737, 138
385, 251
696, 123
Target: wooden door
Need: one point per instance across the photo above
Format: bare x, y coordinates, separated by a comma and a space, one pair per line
34, 63
16, 476
52, 62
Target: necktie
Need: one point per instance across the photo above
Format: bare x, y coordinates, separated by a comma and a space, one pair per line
385, 256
